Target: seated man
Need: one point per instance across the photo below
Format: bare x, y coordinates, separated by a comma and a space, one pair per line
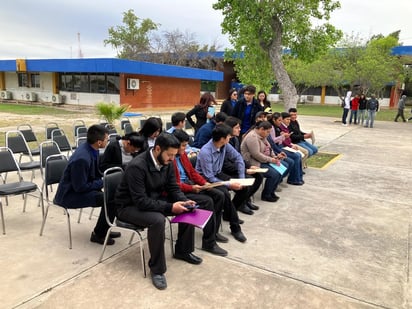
178, 122
81, 184
209, 164
147, 193
299, 137
204, 134
257, 151
191, 182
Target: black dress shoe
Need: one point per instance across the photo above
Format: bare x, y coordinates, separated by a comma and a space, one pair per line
241, 221
115, 234
100, 240
188, 257
245, 210
295, 183
215, 250
239, 236
159, 281
269, 198
252, 206
221, 238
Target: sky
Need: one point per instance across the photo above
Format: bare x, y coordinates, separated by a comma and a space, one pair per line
46, 29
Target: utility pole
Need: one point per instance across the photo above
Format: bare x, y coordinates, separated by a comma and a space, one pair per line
80, 53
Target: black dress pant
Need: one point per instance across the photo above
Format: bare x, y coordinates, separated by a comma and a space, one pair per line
229, 210
210, 200
101, 225
155, 222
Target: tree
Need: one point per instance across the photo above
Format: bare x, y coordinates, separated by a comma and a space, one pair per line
132, 39
262, 29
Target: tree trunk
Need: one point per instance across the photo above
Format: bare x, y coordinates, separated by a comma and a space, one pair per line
274, 50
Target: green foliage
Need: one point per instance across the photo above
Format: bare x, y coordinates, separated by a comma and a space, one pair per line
110, 111
132, 38
262, 29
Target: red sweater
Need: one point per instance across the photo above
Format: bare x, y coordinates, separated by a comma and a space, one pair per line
191, 173
355, 104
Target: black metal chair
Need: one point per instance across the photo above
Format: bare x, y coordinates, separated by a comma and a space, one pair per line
123, 123
76, 125
128, 128
49, 129
30, 138
17, 143
20, 187
111, 179
62, 141
53, 171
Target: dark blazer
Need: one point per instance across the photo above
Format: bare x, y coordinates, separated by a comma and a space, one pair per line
227, 107
111, 157
297, 136
145, 187
81, 181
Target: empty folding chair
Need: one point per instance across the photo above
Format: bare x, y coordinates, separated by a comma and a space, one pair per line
62, 141
30, 138
123, 123
18, 145
20, 187
78, 124
128, 128
49, 129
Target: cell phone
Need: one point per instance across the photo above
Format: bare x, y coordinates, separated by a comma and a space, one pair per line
192, 207
290, 133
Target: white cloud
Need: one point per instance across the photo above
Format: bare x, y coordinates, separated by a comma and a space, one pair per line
48, 28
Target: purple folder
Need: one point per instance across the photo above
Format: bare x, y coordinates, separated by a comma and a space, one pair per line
197, 217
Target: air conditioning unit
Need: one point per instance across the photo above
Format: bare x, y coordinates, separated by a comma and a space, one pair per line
309, 98
5, 95
133, 83
57, 99
30, 96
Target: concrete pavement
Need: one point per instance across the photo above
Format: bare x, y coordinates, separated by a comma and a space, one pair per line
340, 241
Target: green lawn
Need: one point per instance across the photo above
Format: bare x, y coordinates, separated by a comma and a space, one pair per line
25, 109
384, 114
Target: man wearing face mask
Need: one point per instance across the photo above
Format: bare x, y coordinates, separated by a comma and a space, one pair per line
147, 193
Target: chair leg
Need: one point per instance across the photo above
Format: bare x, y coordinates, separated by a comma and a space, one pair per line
171, 238
105, 243
131, 239
70, 228
25, 202
44, 219
80, 215
91, 214
142, 257
2, 217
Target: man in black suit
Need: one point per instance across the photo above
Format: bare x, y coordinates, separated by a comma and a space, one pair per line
147, 193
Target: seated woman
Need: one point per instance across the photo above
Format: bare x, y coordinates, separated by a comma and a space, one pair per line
150, 130
122, 151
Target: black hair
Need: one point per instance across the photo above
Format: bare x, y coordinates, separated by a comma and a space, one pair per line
232, 121
135, 139
177, 118
230, 93
285, 115
221, 130
263, 124
220, 117
151, 125
181, 135
166, 140
250, 88
293, 110
96, 133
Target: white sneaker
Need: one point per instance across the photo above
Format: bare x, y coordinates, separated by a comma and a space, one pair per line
344, 124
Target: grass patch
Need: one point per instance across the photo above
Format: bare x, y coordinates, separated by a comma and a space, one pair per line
385, 114
321, 159
25, 109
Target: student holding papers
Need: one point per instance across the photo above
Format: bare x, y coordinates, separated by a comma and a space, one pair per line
256, 150
209, 164
191, 183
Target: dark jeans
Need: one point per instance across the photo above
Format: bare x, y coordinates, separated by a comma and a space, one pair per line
273, 178
400, 114
345, 115
229, 210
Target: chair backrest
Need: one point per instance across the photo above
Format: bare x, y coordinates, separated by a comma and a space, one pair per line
78, 124
127, 128
53, 170
27, 132
8, 161
81, 140
81, 132
111, 179
61, 140
123, 122
49, 129
17, 143
48, 148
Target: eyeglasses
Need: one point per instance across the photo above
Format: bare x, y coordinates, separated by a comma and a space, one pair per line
235, 94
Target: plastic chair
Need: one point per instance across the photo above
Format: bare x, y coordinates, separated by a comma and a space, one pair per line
25, 188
